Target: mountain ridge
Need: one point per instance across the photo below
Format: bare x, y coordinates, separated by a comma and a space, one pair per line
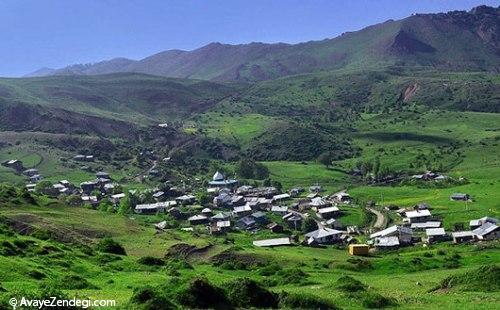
456, 40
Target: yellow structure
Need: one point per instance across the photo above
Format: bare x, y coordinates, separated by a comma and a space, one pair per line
358, 249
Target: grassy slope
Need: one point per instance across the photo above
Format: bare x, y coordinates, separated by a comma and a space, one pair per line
393, 274
130, 97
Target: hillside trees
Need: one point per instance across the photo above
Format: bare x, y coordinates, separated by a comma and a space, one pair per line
249, 169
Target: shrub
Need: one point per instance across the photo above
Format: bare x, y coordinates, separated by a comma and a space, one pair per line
73, 282
108, 245
149, 298
201, 294
292, 276
357, 264
247, 293
349, 284
269, 270
35, 274
375, 300
151, 261
482, 279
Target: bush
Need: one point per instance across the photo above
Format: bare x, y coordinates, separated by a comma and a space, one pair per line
246, 293
73, 282
35, 274
303, 301
292, 276
201, 294
349, 284
269, 270
108, 245
149, 298
375, 300
151, 261
482, 279
357, 264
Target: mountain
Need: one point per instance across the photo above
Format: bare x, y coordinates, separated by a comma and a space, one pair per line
103, 104
456, 40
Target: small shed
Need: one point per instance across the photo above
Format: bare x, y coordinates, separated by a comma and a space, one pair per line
359, 249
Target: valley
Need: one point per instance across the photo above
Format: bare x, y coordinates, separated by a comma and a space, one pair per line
248, 176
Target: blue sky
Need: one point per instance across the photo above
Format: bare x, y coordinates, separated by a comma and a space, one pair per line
55, 33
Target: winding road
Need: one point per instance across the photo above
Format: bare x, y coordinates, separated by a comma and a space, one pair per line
379, 223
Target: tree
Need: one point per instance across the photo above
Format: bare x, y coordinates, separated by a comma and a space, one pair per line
309, 225
325, 159
245, 168
260, 171
125, 206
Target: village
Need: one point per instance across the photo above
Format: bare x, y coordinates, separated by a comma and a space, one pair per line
309, 216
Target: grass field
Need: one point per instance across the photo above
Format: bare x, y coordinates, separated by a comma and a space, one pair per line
406, 276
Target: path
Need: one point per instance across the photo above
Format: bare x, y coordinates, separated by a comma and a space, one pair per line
379, 223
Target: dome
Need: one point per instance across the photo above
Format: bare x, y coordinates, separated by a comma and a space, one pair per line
218, 176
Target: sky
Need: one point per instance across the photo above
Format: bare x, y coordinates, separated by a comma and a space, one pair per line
56, 33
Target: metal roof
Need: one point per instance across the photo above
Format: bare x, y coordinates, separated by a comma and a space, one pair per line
272, 242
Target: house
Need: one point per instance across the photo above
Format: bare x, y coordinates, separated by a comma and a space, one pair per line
387, 242
460, 196
312, 195
243, 190
296, 191
186, 199
342, 197
151, 208
220, 227
273, 242
359, 249
14, 164
422, 206
158, 195
327, 213
35, 178
323, 236
333, 223
417, 216
102, 175
30, 187
487, 231
260, 218
117, 197
293, 220
222, 216
462, 236
281, 197
90, 199
275, 227
222, 200
176, 213
404, 234
247, 222
282, 210
425, 225
88, 186
227, 200
198, 219
477, 223
435, 235
30, 172
218, 180
242, 210
161, 225
258, 203
315, 188
206, 211
319, 202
